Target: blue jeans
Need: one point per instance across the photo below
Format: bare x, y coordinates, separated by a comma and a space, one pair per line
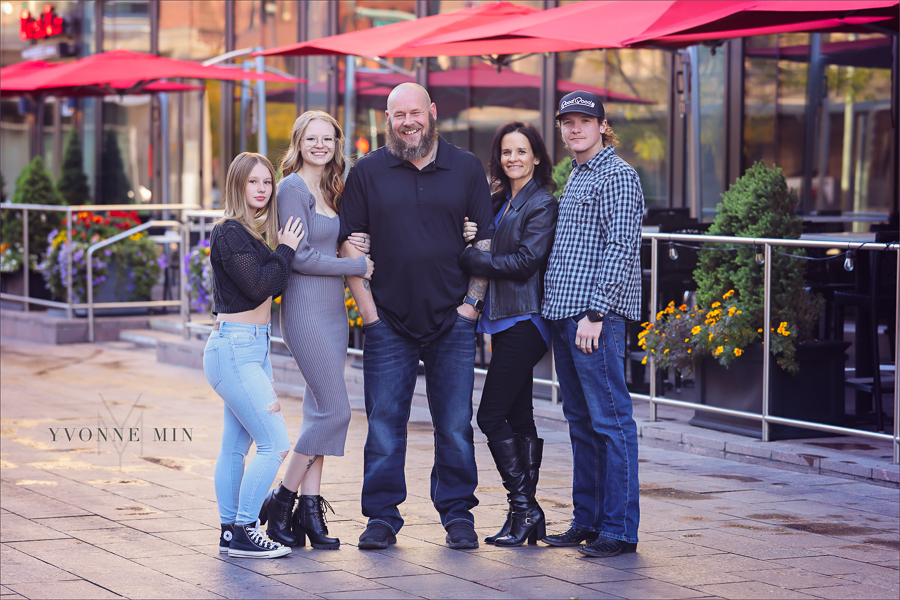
389, 365
598, 408
236, 363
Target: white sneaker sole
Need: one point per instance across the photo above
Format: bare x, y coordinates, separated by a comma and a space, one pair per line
278, 552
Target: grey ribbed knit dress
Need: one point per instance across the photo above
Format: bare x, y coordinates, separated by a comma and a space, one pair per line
314, 320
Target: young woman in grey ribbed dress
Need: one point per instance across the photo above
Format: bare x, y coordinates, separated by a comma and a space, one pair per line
314, 324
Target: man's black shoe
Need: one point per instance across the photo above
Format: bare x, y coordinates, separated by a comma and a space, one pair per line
377, 536
461, 535
573, 537
605, 547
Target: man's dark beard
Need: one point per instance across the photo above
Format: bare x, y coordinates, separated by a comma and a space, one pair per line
400, 149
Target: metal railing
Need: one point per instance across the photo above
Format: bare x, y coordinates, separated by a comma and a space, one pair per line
70, 305
764, 417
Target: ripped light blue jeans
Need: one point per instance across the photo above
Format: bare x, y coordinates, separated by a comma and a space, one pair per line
237, 366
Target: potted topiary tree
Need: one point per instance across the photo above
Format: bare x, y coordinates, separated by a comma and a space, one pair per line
722, 335
73, 183
33, 186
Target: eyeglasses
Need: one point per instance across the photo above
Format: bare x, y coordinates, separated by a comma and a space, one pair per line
315, 141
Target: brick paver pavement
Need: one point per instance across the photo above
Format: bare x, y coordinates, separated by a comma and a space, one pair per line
73, 525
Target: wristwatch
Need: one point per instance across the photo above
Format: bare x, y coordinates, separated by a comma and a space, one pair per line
476, 304
593, 316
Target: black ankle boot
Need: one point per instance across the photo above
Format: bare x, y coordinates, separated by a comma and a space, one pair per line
277, 508
309, 521
526, 520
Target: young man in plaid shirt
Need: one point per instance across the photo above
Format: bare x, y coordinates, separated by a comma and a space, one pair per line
591, 288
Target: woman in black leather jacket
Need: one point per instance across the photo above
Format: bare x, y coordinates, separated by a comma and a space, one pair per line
525, 220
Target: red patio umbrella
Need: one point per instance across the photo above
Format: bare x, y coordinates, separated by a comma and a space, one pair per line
396, 39
130, 70
769, 17
619, 23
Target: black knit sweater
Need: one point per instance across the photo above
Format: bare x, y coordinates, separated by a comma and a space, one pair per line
245, 271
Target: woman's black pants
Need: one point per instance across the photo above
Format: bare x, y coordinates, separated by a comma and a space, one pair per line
506, 407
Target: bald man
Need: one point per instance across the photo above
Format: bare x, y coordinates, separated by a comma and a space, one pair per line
412, 196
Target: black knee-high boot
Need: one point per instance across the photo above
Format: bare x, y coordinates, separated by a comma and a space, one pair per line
276, 510
526, 520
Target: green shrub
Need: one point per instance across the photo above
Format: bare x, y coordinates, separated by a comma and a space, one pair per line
760, 205
561, 173
33, 186
73, 183
114, 184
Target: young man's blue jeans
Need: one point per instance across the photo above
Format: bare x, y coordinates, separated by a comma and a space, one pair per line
389, 364
598, 407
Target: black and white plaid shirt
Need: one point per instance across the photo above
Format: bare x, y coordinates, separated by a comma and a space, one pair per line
595, 262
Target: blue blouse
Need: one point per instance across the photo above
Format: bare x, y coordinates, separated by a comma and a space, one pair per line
485, 325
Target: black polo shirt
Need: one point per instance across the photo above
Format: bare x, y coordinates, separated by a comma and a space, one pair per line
415, 219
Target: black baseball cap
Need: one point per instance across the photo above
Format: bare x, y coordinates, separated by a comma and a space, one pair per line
582, 102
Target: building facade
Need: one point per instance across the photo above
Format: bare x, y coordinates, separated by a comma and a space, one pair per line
818, 106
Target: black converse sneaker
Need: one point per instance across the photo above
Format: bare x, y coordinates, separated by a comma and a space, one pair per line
225, 538
249, 542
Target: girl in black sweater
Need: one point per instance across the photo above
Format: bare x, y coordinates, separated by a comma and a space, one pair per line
247, 273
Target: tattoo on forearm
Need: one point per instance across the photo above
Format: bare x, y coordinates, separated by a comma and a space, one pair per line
478, 285
477, 288
366, 284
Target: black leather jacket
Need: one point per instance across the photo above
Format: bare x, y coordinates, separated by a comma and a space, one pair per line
519, 252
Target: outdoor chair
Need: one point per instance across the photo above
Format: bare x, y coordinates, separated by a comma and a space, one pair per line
878, 299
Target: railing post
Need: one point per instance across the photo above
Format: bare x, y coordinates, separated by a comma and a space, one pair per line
896, 361
90, 293
654, 246
767, 339
70, 276
27, 266
182, 276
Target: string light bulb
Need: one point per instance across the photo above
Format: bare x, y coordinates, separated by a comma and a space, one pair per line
673, 251
848, 262
760, 256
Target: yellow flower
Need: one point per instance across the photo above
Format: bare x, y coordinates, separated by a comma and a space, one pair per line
659, 315
719, 350
683, 307
687, 339
759, 330
278, 300
738, 351
696, 330
728, 294
710, 337
666, 351
359, 321
645, 325
207, 250
136, 236
644, 362
716, 304
689, 350
731, 311
672, 303
677, 316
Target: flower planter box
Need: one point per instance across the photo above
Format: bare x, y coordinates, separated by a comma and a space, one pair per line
115, 289
815, 393
14, 283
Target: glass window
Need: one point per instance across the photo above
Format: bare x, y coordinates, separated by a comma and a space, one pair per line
124, 158
126, 25
633, 85
854, 158
14, 141
712, 130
